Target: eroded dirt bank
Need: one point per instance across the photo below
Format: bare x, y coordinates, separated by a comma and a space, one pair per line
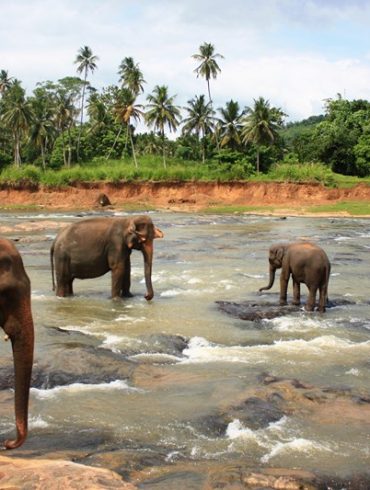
182, 195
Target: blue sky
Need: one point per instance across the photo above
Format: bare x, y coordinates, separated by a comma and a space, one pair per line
296, 53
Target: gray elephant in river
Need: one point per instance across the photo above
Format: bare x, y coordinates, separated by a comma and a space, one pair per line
17, 323
308, 264
92, 247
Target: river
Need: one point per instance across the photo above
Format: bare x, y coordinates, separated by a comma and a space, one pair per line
133, 384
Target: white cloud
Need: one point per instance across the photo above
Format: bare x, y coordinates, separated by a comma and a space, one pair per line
285, 50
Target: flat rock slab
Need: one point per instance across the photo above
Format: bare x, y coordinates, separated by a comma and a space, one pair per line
39, 474
252, 311
255, 311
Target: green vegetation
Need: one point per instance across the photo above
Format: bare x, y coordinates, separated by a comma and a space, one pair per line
353, 208
45, 138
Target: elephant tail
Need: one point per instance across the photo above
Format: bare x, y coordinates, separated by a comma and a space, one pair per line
52, 264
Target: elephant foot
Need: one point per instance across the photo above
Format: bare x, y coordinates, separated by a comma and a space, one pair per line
127, 294
296, 303
283, 303
309, 307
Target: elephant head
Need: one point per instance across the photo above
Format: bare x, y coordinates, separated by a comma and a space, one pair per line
276, 255
16, 320
141, 233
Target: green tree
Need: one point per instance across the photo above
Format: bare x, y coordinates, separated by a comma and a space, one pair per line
161, 113
17, 116
5, 81
125, 110
86, 61
199, 121
43, 130
229, 125
208, 66
260, 125
131, 76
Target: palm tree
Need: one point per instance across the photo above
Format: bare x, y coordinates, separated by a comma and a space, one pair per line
125, 109
162, 112
260, 125
229, 125
86, 62
42, 131
208, 66
199, 120
17, 116
5, 81
64, 117
131, 76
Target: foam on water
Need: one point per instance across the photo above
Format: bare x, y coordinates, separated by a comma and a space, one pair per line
278, 438
37, 423
76, 388
201, 350
297, 324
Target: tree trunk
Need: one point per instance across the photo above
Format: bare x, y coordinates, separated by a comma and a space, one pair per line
132, 146
258, 162
114, 143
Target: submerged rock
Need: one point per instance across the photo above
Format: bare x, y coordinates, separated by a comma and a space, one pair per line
252, 311
256, 311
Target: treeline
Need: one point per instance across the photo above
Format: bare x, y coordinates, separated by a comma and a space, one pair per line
69, 122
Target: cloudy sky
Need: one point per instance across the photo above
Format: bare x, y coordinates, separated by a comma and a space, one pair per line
296, 53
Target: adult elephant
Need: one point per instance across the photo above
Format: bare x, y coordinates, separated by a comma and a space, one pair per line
17, 323
308, 264
92, 247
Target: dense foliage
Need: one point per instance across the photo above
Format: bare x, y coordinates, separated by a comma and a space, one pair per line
69, 125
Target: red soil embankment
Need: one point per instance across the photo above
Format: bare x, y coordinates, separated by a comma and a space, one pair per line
182, 195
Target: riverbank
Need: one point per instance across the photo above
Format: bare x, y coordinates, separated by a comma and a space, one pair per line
280, 198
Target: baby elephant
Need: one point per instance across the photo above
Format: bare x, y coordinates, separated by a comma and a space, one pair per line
92, 247
307, 263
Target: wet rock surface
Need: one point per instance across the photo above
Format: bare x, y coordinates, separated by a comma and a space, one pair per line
39, 474
260, 310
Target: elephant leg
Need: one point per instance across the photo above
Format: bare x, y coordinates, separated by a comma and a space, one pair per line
64, 279
117, 279
322, 298
296, 293
126, 280
284, 279
310, 304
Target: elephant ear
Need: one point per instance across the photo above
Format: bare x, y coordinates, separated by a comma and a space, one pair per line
136, 233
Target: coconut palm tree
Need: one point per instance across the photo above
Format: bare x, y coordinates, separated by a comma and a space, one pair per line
42, 130
161, 113
65, 112
5, 81
200, 120
125, 110
208, 66
260, 125
86, 61
131, 76
229, 125
17, 116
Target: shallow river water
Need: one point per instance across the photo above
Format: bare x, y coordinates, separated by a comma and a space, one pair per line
166, 381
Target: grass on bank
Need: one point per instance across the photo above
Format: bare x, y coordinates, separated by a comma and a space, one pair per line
352, 208
151, 169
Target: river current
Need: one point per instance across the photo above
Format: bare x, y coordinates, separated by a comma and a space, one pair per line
164, 382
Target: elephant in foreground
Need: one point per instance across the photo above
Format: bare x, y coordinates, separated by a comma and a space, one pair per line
308, 264
92, 247
17, 323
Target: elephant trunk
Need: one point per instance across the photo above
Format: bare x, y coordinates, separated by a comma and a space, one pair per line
271, 281
22, 338
148, 260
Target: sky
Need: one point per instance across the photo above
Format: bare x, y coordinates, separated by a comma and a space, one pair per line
295, 53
